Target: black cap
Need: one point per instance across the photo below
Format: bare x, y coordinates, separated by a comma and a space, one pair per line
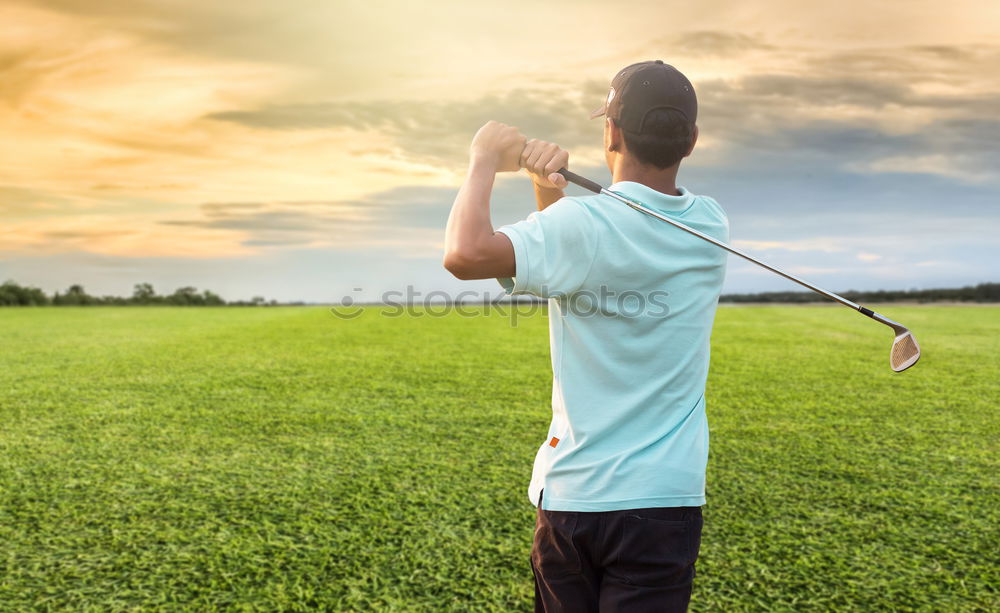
640, 88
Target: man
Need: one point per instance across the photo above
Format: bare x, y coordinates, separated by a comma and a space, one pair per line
620, 478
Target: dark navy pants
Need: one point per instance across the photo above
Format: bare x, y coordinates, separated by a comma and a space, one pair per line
631, 561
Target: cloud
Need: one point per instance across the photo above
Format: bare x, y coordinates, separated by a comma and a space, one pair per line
114, 235
16, 201
407, 220
934, 164
18, 73
828, 90
851, 108
817, 244
439, 132
717, 43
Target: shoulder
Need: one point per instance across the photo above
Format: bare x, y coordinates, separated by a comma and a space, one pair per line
590, 209
712, 217
568, 220
568, 204
711, 207
575, 210
708, 202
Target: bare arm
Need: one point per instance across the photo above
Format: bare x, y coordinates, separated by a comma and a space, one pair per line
542, 161
544, 196
472, 250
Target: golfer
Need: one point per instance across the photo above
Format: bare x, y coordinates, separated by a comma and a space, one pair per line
619, 480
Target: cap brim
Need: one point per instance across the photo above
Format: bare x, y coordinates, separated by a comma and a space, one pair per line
598, 112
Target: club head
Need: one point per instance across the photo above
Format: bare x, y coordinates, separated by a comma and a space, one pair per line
905, 351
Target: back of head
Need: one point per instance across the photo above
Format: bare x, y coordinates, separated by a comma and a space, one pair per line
656, 108
665, 138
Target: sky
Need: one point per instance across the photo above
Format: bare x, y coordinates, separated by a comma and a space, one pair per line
310, 150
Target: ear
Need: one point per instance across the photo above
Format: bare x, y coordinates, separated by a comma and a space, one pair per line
694, 139
615, 139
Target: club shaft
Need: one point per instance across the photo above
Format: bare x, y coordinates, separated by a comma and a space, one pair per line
588, 184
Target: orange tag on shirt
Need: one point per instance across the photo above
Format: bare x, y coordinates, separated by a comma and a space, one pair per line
553, 442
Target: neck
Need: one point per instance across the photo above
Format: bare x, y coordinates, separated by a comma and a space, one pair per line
663, 181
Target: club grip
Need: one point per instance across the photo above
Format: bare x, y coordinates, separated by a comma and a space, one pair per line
572, 177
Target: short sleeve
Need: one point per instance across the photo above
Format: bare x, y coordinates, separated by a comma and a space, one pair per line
553, 250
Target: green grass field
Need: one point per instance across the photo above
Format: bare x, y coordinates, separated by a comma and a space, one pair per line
282, 459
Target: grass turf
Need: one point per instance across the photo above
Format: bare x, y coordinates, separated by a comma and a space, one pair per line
284, 459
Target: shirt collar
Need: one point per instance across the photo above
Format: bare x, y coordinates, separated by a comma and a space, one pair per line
652, 198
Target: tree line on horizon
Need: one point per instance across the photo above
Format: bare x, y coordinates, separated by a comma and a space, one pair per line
14, 294
984, 292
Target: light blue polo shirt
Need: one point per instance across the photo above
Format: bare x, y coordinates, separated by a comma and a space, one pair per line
631, 305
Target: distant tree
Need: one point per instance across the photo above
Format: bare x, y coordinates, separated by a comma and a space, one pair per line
186, 296
988, 292
212, 299
984, 292
13, 294
143, 294
74, 296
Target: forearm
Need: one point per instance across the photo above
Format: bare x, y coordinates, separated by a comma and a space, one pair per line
544, 196
472, 250
469, 223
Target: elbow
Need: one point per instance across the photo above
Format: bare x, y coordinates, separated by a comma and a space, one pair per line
458, 265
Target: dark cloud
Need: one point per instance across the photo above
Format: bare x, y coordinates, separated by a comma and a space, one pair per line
394, 214
717, 43
782, 196
22, 70
788, 161
972, 134
291, 241
966, 146
796, 114
17, 201
801, 95
440, 132
87, 235
312, 116
947, 63
18, 73
815, 91
123, 187
215, 209
791, 118
271, 221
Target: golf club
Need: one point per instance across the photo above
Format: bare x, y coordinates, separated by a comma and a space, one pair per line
905, 350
